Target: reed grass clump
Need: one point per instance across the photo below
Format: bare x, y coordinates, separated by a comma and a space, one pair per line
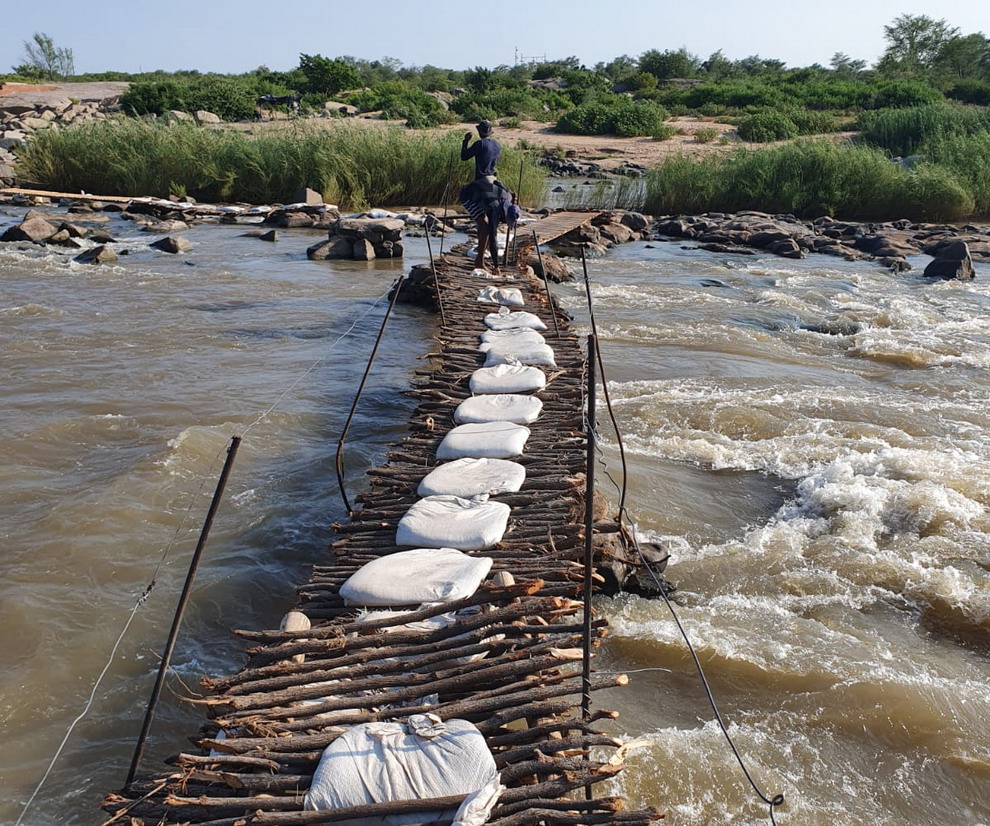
350, 165
810, 179
906, 131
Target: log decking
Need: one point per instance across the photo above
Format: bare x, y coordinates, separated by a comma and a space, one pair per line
271, 721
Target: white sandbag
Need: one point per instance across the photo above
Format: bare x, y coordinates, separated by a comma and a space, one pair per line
414, 577
499, 407
484, 440
513, 334
521, 353
506, 296
505, 320
469, 477
387, 762
507, 378
453, 522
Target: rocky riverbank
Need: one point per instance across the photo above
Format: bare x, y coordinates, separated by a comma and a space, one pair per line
952, 248
888, 244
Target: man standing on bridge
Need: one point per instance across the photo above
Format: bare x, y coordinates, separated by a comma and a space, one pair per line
485, 198
485, 151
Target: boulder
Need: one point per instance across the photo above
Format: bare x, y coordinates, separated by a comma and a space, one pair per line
548, 266
636, 221
307, 196
287, 219
162, 227
787, 248
34, 124
33, 228
171, 244
363, 250
97, 255
343, 109
617, 233
954, 261
202, 116
334, 248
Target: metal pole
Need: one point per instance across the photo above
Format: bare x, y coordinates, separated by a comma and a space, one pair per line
436, 280
589, 504
446, 193
339, 459
180, 609
546, 282
589, 552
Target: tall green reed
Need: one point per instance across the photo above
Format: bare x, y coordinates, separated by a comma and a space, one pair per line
810, 179
354, 166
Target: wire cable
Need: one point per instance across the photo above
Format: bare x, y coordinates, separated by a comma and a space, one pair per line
778, 799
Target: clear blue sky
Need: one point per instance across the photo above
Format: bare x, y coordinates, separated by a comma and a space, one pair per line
234, 36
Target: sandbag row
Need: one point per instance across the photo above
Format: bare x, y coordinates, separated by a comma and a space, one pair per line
455, 511
427, 757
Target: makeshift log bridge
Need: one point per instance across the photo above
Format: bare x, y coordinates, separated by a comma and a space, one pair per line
472, 642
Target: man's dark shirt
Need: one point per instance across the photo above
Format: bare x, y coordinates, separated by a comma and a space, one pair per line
485, 152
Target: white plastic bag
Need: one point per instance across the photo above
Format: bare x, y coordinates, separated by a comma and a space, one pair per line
506, 296
452, 522
415, 577
499, 407
469, 477
520, 353
484, 440
425, 758
507, 378
505, 320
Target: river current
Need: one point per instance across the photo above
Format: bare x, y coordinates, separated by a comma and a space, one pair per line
810, 439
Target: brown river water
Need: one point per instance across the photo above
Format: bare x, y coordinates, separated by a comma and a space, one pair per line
811, 439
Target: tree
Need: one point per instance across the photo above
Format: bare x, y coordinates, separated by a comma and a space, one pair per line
45, 60
617, 68
914, 42
842, 64
668, 64
964, 57
719, 67
325, 76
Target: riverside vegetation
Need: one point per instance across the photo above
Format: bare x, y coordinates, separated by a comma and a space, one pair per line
927, 98
352, 166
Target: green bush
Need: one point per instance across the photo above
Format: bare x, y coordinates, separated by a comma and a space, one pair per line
968, 157
664, 132
230, 98
706, 134
517, 102
620, 117
901, 93
813, 123
154, 98
972, 91
764, 127
934, 193
397, 100
635, 119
